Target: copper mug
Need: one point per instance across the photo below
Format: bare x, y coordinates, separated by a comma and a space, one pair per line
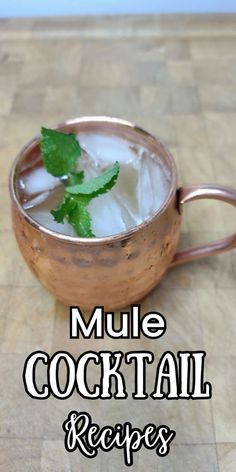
118, 270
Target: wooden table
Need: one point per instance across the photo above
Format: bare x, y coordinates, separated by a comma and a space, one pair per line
176, 76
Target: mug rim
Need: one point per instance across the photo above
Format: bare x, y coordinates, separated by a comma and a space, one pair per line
104, 239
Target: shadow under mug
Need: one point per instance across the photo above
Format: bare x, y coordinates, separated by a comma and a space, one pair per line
118, 270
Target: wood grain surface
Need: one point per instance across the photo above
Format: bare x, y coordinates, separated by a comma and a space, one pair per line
175, 76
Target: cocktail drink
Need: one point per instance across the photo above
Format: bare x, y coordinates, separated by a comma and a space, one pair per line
140, 190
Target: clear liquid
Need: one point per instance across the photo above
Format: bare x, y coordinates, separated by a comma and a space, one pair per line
141, 188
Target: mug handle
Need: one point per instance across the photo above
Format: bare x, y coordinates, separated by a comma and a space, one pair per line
197, 192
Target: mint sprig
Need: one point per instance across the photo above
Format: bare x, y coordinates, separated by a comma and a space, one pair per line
60, 154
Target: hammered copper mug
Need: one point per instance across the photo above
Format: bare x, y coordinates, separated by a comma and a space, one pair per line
117, 270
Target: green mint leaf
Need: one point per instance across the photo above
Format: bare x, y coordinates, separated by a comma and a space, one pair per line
75, 178
80, 219
64, 209
60, 151
97, 185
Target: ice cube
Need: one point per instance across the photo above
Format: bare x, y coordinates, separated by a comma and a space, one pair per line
152, 186
126, 189
107, 218
105, 149
159, 182
124, 193
38, 181
117, 211
144, 191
